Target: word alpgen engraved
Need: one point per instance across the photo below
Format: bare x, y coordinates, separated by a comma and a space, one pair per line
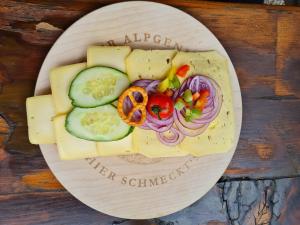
156, 39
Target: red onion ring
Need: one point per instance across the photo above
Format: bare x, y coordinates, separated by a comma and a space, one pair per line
157, 128
152, 119
142, 83
173, 140
190, 132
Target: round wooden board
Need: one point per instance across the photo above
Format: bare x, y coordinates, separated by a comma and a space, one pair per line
136, 187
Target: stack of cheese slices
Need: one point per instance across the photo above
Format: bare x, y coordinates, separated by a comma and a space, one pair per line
46, 114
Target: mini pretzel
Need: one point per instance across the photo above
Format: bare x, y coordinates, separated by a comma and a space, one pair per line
137, 106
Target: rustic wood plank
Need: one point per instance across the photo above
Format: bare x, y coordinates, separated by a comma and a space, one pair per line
287, 60
236, 202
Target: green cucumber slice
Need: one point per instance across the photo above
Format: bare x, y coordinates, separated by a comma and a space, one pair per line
97, 86
101, 123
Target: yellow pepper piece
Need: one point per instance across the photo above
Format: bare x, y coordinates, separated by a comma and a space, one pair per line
172, 73
165, 84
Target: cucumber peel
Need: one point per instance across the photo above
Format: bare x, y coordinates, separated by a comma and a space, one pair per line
101, 123
96, 86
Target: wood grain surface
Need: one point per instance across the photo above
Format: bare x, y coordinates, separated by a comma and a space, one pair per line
261, 185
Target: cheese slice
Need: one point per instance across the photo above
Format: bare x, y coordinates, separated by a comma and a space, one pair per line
70, 147
220, 135
60, 80
146, 143
114, 148
149, 64
40, 110
110, 56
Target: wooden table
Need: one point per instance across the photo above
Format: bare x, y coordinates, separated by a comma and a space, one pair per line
262, 183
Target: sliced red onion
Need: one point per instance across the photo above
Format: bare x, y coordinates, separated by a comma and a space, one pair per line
173, 140
142, 83
191, 125
149, 85
159, 122
144, 126
157, 128
151, 88
190, 132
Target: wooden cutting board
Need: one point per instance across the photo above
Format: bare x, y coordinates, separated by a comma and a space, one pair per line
136, 187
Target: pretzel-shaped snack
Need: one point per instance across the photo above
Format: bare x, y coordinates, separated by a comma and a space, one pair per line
137, 106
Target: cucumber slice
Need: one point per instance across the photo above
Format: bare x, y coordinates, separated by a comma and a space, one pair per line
101, 123
97, 86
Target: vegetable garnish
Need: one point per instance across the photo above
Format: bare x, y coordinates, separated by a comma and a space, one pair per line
138, 107
169, 92
174, 137
194, 118
196, 95
163, 85
197, 102
204, 93
152, 123
179, 105
182, 71
193, 102
202, 100
200, 103
171, 73
191, 114
174, 83
171, 81
160, 106
188, 95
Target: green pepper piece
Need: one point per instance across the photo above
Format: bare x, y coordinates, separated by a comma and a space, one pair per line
179, 105
188, 96
188, 112
188, 115
195, 113
175, 82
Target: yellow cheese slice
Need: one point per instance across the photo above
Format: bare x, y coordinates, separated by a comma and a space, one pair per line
148, 64
113, 148
111, 56
146, 143
40, 110
219, 137
70, 147
60, 80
